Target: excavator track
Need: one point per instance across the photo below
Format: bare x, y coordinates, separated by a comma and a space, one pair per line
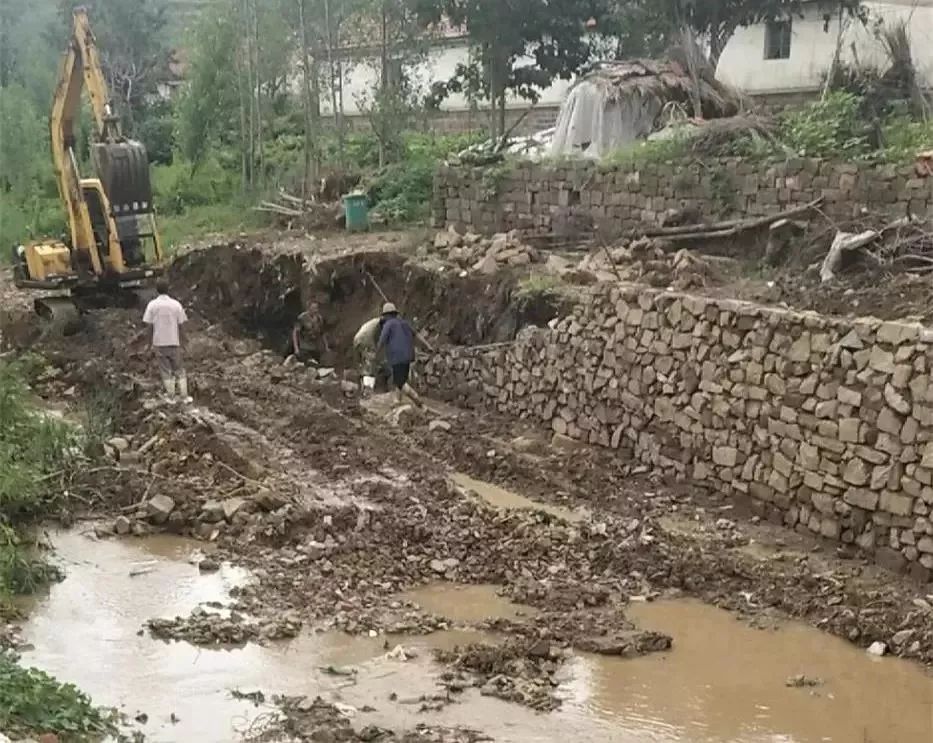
60, 315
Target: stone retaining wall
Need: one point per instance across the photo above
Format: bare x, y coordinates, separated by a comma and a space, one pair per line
826, 425
573, 197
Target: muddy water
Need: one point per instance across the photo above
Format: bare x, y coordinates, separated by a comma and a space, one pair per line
461, 603
723, 682
506, 499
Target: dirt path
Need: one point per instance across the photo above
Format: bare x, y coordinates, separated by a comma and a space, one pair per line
337, 509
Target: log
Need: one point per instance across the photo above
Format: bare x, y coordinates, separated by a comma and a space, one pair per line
724, 229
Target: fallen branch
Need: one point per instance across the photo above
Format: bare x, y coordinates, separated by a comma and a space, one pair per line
843, 243
724, 229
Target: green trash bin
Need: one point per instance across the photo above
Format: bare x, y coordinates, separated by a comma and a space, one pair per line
356, 208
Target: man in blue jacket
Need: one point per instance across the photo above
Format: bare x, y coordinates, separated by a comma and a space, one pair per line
398, 340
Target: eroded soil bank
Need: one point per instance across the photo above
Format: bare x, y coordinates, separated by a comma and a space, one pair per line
326, 516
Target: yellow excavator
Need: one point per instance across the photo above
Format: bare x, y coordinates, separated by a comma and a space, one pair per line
113, 250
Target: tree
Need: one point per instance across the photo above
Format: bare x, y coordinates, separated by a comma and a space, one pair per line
211, 107
132, 41
552, 34
400, 44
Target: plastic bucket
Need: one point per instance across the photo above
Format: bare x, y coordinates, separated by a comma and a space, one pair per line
356, 208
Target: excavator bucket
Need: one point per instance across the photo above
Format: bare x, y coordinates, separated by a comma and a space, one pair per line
123, 169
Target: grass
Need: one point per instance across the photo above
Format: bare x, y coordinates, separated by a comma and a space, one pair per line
32, 703
34, 450
538, 284
200, 221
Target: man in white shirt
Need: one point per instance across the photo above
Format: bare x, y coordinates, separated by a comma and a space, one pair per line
167, 318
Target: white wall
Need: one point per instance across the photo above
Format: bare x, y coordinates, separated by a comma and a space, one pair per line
743, 62
361, 77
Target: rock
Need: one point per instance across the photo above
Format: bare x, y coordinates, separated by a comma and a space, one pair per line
212, 511
556, 265
208, 565
877, 648
725, 456
801, 681
119, 443
326, 373
439, 425
232, 506
526, 444
438, 566
487, 266
441, 241
902, 637
159, 508
564, 443
122, 525
541, 649
348, 387
500, 243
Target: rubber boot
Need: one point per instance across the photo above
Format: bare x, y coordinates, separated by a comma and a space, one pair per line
183, 390
169, 384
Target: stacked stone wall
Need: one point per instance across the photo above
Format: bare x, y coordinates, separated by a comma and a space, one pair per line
823, 424
576, 196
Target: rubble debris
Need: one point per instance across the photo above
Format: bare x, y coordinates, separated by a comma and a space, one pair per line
208, 628
802, 681
485, 255
517, 671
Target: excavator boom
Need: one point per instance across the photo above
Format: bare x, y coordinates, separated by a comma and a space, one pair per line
114, 243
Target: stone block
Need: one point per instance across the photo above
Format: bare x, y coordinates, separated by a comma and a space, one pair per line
857, 472
861, 498
725, 456
849, 430
896, 503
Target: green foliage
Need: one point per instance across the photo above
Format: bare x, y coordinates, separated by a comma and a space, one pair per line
402, 191
33, 446
32, 703
828, 128
200, 221
503, 36
539, 284
208, 109
902, 138
643, 153
177, 187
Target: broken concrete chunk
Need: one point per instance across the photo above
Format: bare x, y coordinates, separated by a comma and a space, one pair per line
232, 506
562, 442
159, 508
439, 425
212, 511
119, 443
122, 525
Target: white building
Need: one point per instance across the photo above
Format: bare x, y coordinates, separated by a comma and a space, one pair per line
362, 73
793, 56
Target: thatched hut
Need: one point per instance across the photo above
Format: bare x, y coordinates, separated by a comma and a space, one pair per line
618, 103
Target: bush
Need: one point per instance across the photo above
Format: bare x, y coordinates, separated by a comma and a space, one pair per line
34, 448
402, 191
178, 187
828, 128
33, 703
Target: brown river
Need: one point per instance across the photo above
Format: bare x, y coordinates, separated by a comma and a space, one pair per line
724, 682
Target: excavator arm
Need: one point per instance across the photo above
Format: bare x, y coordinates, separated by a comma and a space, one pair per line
112, 216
